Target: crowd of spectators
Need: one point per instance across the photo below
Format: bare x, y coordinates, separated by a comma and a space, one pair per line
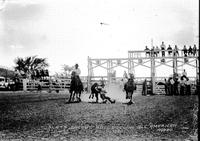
155, 51
175, 85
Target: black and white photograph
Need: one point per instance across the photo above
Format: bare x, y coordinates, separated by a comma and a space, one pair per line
99, 70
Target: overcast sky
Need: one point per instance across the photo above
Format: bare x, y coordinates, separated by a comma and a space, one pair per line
68, 31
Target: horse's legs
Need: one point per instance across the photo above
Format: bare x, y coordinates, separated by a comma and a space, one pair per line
96, 95
131, 98
79, 96
70, 98
130, 102
126, 95
73, 94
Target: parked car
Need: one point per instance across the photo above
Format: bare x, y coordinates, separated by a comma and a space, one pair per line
3, 83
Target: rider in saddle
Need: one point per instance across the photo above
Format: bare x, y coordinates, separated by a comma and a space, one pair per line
76, 72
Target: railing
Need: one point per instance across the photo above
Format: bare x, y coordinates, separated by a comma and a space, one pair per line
159, 85
158, 54
47, 86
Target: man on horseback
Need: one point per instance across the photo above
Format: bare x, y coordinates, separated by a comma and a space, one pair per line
76, 86
129, 87
76, 70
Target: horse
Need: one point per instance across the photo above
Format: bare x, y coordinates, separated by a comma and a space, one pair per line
129, 87
76, 88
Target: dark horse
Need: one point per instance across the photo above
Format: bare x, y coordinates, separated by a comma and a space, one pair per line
129, 87
76, 87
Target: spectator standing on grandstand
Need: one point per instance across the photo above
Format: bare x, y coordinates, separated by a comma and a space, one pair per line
169, 50
162, 46
153, 51
184, 50
194, 50
176, 51
147, 51
190, 51
157, 50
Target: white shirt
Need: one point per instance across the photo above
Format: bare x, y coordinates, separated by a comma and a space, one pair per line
184, 73
77, 71
162, 46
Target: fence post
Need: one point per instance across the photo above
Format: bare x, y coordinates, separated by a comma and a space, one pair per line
24, 84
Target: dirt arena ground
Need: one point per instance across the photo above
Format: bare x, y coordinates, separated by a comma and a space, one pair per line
156, 117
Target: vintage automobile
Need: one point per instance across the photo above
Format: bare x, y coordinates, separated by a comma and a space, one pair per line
3, 83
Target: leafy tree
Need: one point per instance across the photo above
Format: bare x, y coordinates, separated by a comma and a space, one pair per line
26, 66
67, 69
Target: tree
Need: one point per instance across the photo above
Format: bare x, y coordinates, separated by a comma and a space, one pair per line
67, 69
26, 66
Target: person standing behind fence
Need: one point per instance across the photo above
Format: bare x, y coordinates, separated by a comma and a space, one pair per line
182, 86
162, 46
16, 82
171, 86
188, 87
144, 87
176, 92
166, 87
